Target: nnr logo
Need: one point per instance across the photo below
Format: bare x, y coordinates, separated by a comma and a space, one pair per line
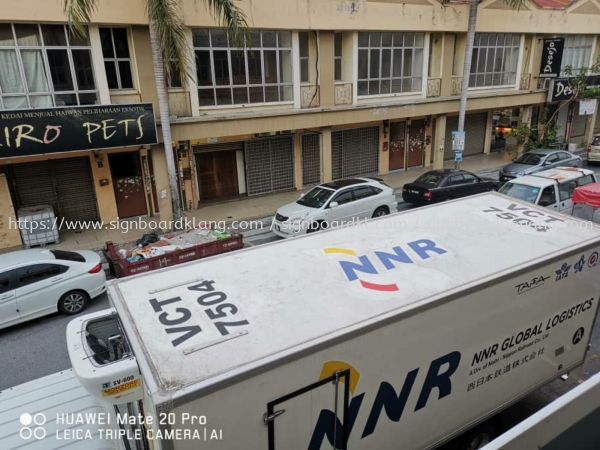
421, 248
32, 426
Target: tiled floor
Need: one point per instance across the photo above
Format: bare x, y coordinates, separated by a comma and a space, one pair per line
242, 209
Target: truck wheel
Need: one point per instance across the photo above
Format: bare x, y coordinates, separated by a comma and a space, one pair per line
73, 302
476, 438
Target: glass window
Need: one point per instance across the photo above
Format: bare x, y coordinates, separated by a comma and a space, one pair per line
585, 180
431, 179
596, 141
42, 66
566, 189
261, 72
363, 192
117, 62
456, 179
470, 178
338, 56
38, 272
5, 281
577, 53
68, 256
316, 197
532, 159
494, 60
343, 197
548, 197
389, 63
551, 159
304, 68
520, 191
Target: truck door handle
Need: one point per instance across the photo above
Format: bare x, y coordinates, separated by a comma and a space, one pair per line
269, 418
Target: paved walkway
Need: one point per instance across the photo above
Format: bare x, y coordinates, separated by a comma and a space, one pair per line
246, 209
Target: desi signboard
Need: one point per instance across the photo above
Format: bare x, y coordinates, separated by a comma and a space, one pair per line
552, 57
57, 130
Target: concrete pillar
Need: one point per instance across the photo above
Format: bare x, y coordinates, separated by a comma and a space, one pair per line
327, 67
430, 145
326, 155
10, 235
489, 124
161, 176
446, 64
105, 195
298, 161
591, 122
440, 137
384, 149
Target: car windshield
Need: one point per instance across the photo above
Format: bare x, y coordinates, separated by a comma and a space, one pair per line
520, 191
532, 159
315, 198
431, 179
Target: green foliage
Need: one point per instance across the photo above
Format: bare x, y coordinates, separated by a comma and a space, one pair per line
521, 133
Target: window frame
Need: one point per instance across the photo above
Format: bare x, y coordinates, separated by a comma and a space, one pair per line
19, 283
570, 190
42, 47
477, 51
339, 194
366, 188
416, 66
116, 60
9, 275
456, 175
283, 88
466, 176
553, 190
338, 58
570, 45
591, 178
304, 58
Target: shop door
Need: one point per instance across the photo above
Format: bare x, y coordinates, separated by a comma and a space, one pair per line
355, 152
128, 183
397, 143
577, 125
217, 174
65, 184
416, 143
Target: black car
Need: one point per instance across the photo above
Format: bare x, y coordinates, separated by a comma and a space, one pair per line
446, 184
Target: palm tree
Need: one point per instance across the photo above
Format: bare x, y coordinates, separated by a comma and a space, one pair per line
171, 55
514, 4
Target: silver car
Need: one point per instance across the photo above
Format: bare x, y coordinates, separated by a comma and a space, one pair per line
538, 160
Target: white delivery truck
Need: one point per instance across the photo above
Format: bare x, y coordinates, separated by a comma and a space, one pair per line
569, 422
551, 188
401, 333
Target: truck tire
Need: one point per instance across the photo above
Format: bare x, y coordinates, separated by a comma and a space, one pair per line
477, 437
73, 302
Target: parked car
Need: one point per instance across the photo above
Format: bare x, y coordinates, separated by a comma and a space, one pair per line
593, 153
35, 283
538, 160
446, 184
335, 203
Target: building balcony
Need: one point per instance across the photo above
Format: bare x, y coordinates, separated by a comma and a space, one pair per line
434, 87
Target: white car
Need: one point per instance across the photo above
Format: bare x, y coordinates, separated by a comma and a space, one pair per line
35, 283
333, 204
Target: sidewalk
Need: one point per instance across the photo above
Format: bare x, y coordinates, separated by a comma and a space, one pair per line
253, 208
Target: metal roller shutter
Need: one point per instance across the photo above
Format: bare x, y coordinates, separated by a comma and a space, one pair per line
355, 152
577, 125
311, 159
270, 165
475, 127
65, 184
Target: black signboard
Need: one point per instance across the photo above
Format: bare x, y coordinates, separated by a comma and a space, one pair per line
56, 130
562, 90
552, 57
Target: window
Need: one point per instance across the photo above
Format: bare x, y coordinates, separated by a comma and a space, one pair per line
456, 179
577, 53
38, 272
44, 66
337, 53
389, 63
566, 190
563, 156
344, 197
68, 256
585, 180
175, 81
363, 192
5, 281
470, 178
431, 179
261, 72
117, 62
548, 197
596, 141
553, 158
304, 68
494, 61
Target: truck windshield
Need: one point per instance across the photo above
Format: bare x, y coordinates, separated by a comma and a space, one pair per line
531, 159
520, 191
315, 198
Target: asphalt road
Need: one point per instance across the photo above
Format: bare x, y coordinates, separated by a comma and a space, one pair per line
38, 348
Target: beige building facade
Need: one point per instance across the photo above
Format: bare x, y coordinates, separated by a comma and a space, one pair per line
322, 90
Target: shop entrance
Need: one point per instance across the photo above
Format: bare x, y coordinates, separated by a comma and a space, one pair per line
217, 173
130, 194
397, 145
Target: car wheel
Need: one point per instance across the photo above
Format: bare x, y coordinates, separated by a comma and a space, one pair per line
314, 227
380, 212
73, 302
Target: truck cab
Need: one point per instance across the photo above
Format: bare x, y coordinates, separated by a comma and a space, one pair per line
551, 188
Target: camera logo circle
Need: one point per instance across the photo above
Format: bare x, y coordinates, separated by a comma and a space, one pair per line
32, 426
